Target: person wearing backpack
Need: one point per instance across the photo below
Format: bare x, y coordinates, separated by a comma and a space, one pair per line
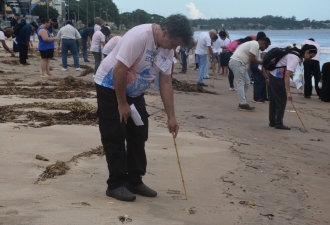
279, 80
244, 54
23, 40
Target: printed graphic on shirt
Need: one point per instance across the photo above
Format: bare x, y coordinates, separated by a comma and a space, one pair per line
280, 72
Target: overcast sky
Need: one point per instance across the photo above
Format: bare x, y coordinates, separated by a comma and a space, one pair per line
193, 9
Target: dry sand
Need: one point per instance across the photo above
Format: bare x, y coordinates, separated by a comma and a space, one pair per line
237, 170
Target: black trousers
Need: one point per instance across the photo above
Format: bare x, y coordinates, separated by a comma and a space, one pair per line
230, 74
277, 100
311, 68
126, 163
259, 86
23, 53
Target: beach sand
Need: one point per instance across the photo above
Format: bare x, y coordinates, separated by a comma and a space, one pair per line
237, 169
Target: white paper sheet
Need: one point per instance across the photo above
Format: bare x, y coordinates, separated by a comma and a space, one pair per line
136, 116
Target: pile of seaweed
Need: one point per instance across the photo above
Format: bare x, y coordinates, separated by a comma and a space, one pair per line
56, 88
187, 87
77, 113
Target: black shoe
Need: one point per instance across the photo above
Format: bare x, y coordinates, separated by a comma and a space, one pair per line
245, 107
121, 194
143, 190
271, 124
25, 64
282, 127
182, 72
307, 96
87, 61
202, 85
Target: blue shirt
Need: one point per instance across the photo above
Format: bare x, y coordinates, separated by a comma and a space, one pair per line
23, 36
44, 45
88, 32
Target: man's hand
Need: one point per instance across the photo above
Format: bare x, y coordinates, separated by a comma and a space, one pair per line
173, 126
289, 96
267, 81
124, 112
12, 54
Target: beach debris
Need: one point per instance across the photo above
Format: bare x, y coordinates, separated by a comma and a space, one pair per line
199, 117
39, 157
81, 203
187, 87
12, 212
99, 151
11, 62
79, 113
269, 216
192, 210
86, 72
56, 88
57, 169
203, 135
60, 167
124, 219
247, 203
315, 139
226, 181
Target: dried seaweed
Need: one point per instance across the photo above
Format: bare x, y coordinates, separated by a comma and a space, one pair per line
60, 167
11, 62
187, 87
66, 88
79, 113
57, 169
99, 151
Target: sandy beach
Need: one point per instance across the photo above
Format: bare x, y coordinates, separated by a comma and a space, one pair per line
237, 169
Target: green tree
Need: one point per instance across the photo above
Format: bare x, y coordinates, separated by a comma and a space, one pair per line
41, 11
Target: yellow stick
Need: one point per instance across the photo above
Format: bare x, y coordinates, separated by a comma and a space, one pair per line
32, 56
177, 154
298, 116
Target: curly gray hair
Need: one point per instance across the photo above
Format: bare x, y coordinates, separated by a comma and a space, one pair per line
178, 26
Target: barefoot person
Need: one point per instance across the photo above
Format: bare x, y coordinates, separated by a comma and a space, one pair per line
7, 33
121, 81
244, 54
279, 83
46, 46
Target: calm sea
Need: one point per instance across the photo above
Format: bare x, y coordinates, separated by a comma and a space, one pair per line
283, 38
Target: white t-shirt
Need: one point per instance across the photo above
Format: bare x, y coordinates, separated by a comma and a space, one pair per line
216, 45
97, 28
98, 38
317, 56
111, 45
136, 49
242, 53
223, 43
204, 41
2, 36
291, 62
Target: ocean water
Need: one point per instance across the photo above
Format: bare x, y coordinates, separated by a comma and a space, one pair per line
283, 38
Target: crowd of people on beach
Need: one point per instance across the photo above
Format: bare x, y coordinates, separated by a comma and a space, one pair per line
146, 53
